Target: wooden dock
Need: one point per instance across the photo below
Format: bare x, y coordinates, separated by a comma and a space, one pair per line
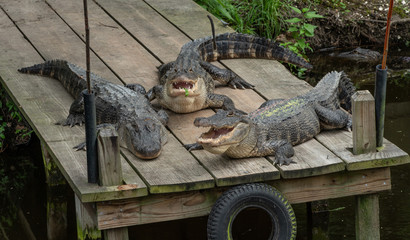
129, 39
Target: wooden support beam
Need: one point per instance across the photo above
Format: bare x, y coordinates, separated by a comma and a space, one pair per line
56, 203
86, 221
109, 162
367, 217
364, 123
364, 141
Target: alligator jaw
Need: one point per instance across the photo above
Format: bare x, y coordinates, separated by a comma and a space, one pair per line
218, 140
183, 87
215, 135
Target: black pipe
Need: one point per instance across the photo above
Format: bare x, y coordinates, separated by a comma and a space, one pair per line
380, 102
91, 136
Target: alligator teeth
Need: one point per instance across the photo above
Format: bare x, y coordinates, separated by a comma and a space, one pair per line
215, 133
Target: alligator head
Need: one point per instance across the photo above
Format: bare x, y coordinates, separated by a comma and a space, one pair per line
144, 138
185, 89
227, 128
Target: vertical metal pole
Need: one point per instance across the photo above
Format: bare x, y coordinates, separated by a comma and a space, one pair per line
381, 82
90, 113
380, 102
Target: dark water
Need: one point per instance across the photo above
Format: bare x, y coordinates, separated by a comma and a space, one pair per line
334, 219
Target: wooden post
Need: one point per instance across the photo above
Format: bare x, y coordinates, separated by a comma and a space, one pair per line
364, 141
86, 221
56, 202
110, 171
364, 125
367, 217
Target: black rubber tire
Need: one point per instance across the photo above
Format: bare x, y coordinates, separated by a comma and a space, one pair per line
263, 196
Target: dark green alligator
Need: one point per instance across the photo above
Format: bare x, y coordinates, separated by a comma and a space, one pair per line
187, 84
140, 128
277, 125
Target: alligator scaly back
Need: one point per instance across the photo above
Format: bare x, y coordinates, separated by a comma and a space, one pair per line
187, 84
70, 75
237, 45
279, 124
140, 127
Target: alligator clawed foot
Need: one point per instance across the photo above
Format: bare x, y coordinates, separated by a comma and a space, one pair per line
72, 120
193, 146
349, 125
238, 82
81, 146
284, 161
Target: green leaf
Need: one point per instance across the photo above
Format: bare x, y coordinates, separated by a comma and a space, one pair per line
312, 14
305, 9
293, 20
186, 92
309, 28
293, 29
295, 9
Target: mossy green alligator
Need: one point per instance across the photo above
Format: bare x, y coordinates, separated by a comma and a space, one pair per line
187, 84
277, 125
140, 128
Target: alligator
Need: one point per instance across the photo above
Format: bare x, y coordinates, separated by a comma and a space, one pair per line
187, 84
140, 128
279, 124
359, 55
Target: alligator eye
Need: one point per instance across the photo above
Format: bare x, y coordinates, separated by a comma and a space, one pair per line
230, 114
190, 70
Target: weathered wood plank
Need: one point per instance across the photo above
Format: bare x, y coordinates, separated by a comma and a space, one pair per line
51, 37
167, 207
75, 167
175, 170
311, 159
125, 56
155, 208
335, 185
341, 144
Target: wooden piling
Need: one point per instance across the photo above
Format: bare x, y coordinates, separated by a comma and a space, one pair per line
86, 220
56, 202
110, 171
364, 126
364, 141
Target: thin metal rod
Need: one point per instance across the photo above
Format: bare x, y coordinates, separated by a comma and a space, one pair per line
87, 47
213, 31
386, 37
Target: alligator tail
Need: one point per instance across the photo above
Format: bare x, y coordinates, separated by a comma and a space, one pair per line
237, 45
68, 74
346, 91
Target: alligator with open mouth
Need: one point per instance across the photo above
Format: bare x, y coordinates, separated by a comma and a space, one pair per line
140, 128
187, 84
279, 124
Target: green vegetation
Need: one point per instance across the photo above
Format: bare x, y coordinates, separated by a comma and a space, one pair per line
13, 128
268, 18
258, 17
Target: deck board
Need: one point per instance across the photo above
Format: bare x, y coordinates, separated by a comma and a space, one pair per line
33, 94
341, 143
